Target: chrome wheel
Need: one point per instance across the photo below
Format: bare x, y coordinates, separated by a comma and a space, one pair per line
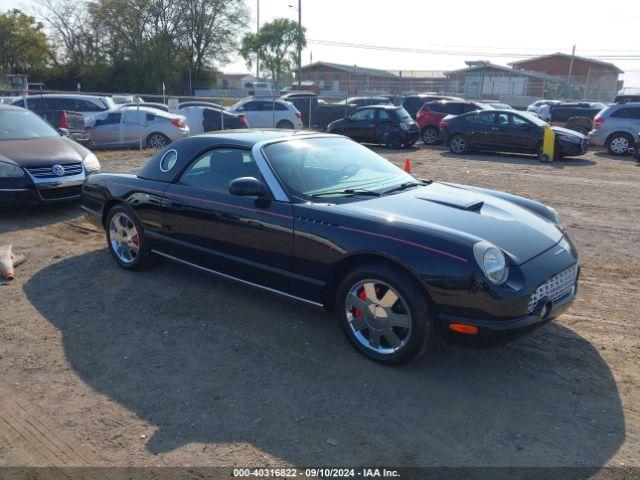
157, 140
124, 238
378, 316
429, 136
620, 145
458, 144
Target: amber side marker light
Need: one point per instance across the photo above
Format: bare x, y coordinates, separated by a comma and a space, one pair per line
461, 328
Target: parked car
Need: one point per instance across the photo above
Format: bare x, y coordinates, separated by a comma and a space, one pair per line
315, 112
321, 219
382, 124
431, 113
198, 103
85, 104
38, 164
576, 116
263, 113
627, 98
535, 106
507, 131
413, 103
156, 105
616, 127
364, 101
126, 126
207, 119
70, 124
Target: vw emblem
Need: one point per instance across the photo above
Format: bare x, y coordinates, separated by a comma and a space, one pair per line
58, 170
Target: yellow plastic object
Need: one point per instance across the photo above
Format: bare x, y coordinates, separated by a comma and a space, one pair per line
548, 144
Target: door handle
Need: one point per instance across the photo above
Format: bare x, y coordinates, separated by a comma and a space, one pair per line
175, 205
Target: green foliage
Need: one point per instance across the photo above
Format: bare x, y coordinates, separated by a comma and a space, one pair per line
275, 46
23, 44
135, 45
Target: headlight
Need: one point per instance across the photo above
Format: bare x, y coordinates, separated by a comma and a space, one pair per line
91, 164
492, 262
404, 126
8, 170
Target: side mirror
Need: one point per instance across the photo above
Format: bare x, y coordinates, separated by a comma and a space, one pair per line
240, 109
63, 131
247, 187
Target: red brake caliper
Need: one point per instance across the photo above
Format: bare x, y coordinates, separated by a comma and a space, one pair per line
363, 296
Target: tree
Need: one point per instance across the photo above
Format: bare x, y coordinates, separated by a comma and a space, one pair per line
211, 28
24, 47
275, 46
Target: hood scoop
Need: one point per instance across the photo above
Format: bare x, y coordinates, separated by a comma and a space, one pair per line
449, 199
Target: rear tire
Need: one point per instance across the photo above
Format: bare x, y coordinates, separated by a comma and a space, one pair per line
430, 135
285, 124
395, 327
157, 140
458, 144
125, 239
619, 144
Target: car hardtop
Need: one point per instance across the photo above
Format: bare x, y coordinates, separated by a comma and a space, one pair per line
187, 148
378, 107
619, 106
4, 106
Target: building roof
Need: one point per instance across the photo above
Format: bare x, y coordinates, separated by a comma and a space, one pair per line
475, 66
566, 55
351, 69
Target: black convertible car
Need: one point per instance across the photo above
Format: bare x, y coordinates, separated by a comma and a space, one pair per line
322, 219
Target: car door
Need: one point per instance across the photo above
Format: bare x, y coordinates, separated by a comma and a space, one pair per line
246, 237
256, 113
361, 125
106, 130
479, 129
512, 133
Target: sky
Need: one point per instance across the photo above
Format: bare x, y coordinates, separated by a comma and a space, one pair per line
467, 29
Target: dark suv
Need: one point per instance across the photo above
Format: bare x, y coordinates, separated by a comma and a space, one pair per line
388, 125
414, 103
431, 113
575, 116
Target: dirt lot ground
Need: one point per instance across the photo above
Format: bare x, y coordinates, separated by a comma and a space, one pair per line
168, 367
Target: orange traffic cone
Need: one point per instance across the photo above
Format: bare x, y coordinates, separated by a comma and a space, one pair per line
407, 165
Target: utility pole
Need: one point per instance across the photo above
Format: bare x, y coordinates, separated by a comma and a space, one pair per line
300, 43
573, 54
257, 31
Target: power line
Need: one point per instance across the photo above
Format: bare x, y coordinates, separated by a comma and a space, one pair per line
454, 52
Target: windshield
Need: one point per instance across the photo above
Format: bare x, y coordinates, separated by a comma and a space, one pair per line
319, 166
533, 119
24, 125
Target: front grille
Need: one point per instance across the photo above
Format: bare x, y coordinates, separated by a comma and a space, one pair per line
48, 172
61, 192
556, 287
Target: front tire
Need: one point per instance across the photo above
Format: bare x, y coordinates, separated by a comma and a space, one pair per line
619, 144
125, 239
385, 314
430, 135
458, 144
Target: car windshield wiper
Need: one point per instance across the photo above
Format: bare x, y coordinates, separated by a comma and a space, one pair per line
404, 186
348, 191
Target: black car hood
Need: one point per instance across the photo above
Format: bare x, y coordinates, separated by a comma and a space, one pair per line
464, 215
568, 131
39, 152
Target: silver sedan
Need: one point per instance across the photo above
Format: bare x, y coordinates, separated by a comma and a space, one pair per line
130, 126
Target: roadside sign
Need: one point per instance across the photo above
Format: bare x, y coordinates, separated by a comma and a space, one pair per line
173, 104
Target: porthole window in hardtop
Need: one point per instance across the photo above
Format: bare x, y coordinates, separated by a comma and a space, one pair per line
168, 160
